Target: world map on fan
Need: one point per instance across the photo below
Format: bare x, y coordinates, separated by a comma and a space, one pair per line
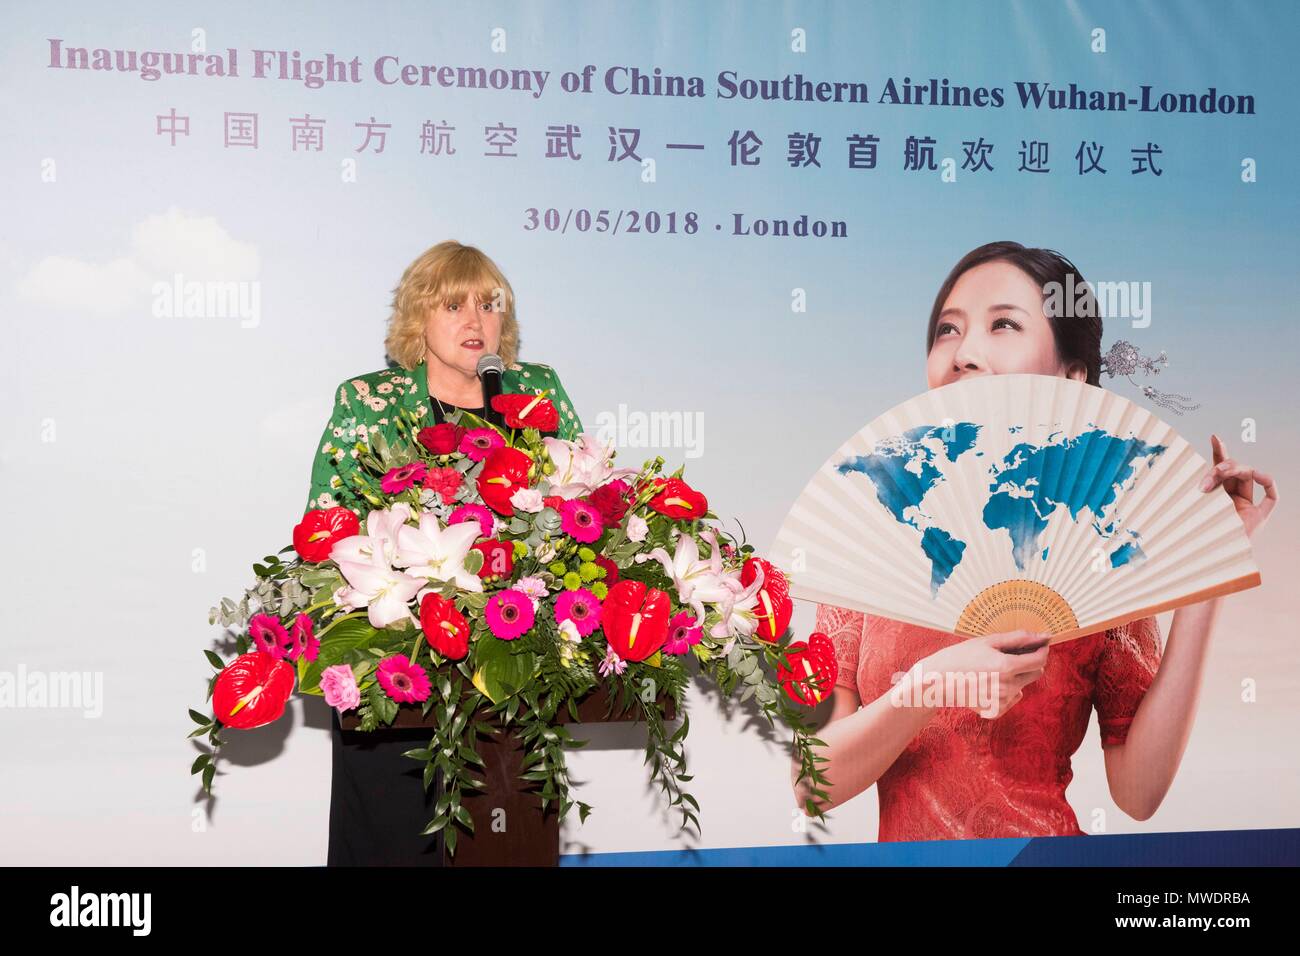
1026, 487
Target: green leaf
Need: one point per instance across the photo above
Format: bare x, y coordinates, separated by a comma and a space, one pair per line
474, 561
200, 762
208, 772
476, 600
501, 671
199, 718
383, 705
214, 660
315, 579
467, 753
353, 634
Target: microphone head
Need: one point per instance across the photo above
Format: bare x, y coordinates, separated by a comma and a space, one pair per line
490, 363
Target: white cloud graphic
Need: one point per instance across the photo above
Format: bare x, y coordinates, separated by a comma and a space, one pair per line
162, 247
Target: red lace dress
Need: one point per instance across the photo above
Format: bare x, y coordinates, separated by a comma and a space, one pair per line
967, 777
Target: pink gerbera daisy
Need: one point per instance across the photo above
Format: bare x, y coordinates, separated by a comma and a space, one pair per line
683, 631
581, 607
269, 635
478, 443
509, 613
401, 680
580, 521
302, 640
402, 477
486, 520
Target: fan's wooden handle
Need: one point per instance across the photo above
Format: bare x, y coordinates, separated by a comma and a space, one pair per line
1028, 648
1014, 606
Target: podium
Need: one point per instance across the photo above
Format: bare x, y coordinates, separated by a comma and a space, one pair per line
531, 837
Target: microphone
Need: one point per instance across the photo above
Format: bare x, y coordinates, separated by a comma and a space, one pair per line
489, 371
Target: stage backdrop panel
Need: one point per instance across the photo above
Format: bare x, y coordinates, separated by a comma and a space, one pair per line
725, 224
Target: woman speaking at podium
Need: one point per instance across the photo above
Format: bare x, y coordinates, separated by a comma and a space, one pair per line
948, 772
452, 307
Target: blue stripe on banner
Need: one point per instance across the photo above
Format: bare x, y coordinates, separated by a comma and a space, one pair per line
1196, 848
929, 853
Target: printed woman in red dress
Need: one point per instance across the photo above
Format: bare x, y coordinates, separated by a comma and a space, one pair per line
999, 768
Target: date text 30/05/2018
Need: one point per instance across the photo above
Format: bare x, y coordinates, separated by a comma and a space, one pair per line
653, 222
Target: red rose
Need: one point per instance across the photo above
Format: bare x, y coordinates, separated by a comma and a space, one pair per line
635, 619
444, 627
441, 439
678, 500
527, 411
611, 569
504, 472
612, 501
553, 501
816, 659
498, 558
318, 531
252, 690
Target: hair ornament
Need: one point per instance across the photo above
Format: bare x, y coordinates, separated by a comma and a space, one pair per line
1125, 359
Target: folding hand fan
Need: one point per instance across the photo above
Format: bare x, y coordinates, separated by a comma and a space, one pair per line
1014, 501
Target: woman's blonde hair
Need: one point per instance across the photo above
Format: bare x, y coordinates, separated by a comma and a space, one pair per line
444, 274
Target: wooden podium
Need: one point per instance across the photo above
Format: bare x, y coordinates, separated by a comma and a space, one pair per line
531, 837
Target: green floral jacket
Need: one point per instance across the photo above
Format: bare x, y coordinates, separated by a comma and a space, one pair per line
364, 404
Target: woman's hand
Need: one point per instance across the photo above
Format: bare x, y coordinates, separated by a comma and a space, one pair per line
1011, 660
1239, 482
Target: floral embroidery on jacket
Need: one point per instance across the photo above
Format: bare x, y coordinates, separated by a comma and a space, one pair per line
378, 394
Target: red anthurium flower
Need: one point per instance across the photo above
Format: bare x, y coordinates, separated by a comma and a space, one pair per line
441, 439
318, 531
444, 627
811, 672
774, 607
773, 615
677, 499
498, 559
252, 690
504, 472
527, 411
635, 619
774, 578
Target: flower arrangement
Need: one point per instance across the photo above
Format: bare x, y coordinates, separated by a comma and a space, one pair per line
500, 576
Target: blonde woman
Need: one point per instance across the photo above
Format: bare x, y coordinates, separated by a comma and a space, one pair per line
452, 306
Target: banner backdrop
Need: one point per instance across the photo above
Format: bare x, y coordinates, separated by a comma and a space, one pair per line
725, 225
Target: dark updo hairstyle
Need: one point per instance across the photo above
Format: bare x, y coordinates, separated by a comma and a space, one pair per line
1078, 336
